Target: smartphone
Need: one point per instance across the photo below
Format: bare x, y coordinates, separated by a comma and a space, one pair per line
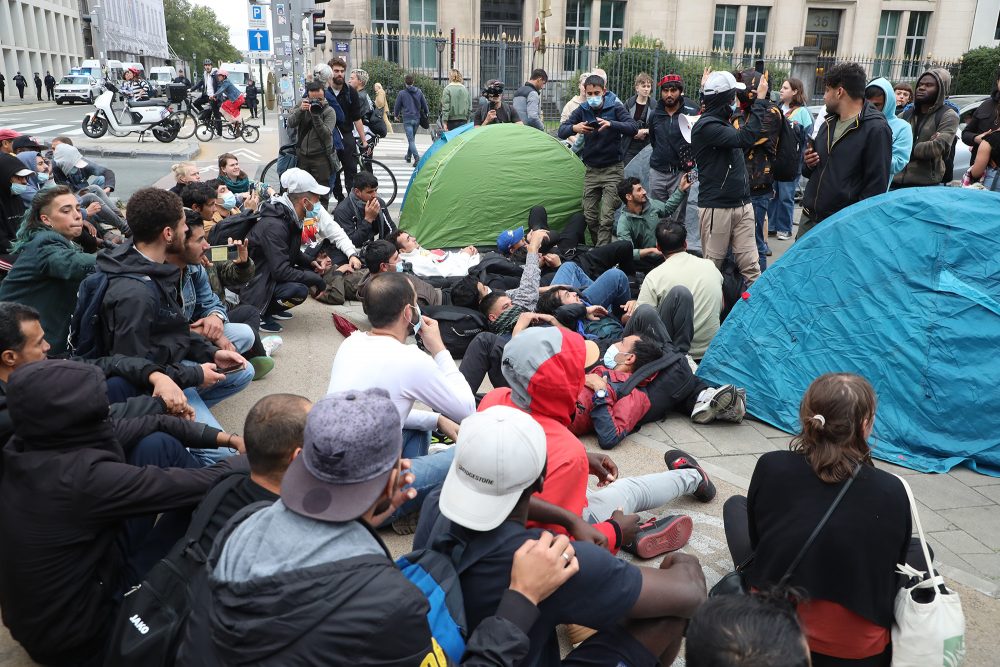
221, 253
594, 124
227, 370
689, 176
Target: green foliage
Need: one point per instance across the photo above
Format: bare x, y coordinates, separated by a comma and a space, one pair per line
979, 72
195, 29
641, 41
390, 75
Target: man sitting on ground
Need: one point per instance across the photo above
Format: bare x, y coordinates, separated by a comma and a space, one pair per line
434, 263
308, 576
78, 498
500, 467
284, 276
640, 216
545, 370
144, 316
702, 280
362, 213
381, 358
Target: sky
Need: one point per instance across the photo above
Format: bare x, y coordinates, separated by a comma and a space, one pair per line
231, 13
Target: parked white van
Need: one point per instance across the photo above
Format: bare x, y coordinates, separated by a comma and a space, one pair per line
159, 77
113, 70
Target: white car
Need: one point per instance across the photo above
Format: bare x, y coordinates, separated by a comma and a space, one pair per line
77, 87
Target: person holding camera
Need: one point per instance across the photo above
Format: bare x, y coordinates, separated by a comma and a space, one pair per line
315, 121
495, 110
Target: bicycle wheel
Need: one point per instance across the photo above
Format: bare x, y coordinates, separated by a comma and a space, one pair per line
385, 177
186, 122
204, 132
250, 133
269, 175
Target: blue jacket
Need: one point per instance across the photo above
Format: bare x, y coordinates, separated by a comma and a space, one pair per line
601, 148
902, 135
411, 101
198, 300
227, 88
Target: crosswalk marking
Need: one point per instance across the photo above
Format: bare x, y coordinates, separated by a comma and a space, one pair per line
49, 128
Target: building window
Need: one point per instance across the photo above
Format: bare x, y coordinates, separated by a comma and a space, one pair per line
577, 35
756, 30
916, 38
996, 35
423, 21
885, 43
724, 35
612, 22
385, 25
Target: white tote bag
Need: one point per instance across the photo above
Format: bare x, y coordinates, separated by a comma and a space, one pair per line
931, 632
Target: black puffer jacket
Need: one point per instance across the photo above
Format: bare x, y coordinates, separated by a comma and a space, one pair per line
719, 152
275, 243
665, 135
143, 320
11, 205
65, 491
853, 168
359, 610
985, 117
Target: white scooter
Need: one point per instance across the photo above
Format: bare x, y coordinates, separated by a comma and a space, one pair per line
141, 117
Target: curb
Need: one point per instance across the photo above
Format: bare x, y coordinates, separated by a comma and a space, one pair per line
184, 150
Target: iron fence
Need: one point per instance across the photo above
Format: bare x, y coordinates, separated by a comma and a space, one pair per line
510, 59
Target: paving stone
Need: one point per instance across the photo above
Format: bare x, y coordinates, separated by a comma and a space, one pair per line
960, 542
735, 438
992, 492
696, 449
680, 430
978, 521
972, 478
767, 430
940, 492
652, 430
932, 521
942, 554
742, 465
986, 564
895, 469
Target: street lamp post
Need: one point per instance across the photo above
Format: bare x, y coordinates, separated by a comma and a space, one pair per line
439, 44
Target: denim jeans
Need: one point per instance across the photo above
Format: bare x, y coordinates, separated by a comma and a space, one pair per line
410, 127
760, 204
609, 290
203, 399
415, 443
428, 474
240, 335
640, 494
781, 208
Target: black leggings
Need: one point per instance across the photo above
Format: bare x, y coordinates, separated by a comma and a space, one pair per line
593, 261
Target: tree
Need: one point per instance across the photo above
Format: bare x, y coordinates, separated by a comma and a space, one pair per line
196, 29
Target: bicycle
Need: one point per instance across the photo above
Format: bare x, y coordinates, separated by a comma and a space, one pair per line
384, 175
185, 119
205, 130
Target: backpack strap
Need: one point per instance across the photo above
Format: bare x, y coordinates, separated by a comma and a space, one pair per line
207, 508
231, 525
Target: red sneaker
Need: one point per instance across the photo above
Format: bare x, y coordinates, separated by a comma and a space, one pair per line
660, 536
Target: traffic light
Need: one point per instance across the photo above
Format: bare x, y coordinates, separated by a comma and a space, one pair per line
318, 27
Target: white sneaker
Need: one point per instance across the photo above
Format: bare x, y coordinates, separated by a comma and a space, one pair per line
713, 402
271, 344
437, 447
692, 363
784, 236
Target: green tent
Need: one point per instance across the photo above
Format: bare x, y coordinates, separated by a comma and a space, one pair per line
486, 180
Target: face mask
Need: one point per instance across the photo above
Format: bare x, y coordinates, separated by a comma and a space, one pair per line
595, 101
399, 267
18, 189
315, 210
229, 201
609, 357
734, 106
42, 177
420, 322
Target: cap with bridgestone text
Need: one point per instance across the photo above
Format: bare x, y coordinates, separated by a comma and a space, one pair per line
500, 452
721, 82
296, 181
509, 238
351, 444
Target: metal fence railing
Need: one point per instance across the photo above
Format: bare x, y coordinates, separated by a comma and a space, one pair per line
510, 59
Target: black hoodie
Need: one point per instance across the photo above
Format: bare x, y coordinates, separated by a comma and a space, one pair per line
11, 205
853, 168
64, 494
142, 322
719, 151
985, 117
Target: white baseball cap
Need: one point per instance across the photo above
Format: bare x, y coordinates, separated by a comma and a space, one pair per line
500, 452
296, 181
722, 82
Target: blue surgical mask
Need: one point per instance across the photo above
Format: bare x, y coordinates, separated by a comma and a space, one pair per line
420, 321
18, 189
315, 210
609, 357
595, 100
229, 201
399, 266
42, 177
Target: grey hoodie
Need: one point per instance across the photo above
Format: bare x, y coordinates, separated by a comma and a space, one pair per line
933, 134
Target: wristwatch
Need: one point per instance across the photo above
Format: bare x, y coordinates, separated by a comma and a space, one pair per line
601, 394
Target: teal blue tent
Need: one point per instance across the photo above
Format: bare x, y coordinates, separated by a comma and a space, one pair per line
904, 289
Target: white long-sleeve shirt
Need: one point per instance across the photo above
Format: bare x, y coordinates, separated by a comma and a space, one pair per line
440, 263
408, 374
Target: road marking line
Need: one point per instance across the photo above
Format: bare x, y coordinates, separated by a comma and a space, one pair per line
47, 128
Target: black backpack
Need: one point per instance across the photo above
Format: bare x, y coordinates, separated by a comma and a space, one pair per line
87, 337
375, 122
458, 326
732, 286
787, 152
236, 227
150, 622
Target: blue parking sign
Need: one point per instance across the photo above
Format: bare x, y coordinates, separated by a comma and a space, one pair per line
256, 13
